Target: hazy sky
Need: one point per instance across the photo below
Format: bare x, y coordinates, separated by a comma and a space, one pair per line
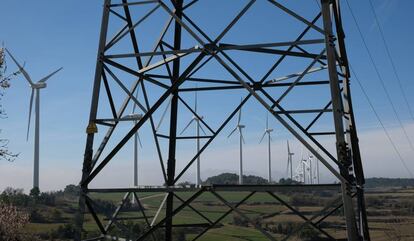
50, 34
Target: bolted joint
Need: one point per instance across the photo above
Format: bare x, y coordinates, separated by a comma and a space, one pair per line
257, 86
211, 48
343, 153
92, 128
332, 39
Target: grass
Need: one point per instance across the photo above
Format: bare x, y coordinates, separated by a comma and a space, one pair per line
261, 205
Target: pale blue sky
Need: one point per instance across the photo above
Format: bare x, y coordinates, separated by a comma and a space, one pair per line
50, 34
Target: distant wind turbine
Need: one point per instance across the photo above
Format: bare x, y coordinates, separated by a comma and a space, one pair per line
198, 128
137, 141
136, 117
290, 161
239, 127
41, 84
267, 132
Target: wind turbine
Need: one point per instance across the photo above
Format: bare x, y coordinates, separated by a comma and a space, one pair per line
239, 127
198, 128
267, 132
137, 141
41, 84
315, 169
290, 161
311, 174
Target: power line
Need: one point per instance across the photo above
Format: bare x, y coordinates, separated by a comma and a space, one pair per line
391, 60
380, 78
381, 123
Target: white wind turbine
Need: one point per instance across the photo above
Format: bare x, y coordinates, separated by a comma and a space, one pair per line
314, 164
198, 128
137, 141
267, 132
290, 161
41, 84
239, 127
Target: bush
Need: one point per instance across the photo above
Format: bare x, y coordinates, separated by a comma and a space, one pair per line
36, 217
66, 231
12, 222
239, 220
15, 197
309, 234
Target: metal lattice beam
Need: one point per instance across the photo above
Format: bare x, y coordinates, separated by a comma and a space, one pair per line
170, 64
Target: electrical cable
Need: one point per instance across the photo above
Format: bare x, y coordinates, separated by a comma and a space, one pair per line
381, 31
381, 123
400, 157
380, 78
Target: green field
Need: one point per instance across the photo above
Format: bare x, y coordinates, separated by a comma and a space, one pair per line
390, 211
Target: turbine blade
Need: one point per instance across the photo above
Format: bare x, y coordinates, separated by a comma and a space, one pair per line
202, 129
267, 121
50, 75
139, 140
195, 101
21, 69
136, 97
30, 114
231, 133
241, 133
185, 128
287, 141
287, 165
263, 136
163, 114
239, 118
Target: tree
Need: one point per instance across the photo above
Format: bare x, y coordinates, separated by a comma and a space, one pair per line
12, 222
5, 79
35, 192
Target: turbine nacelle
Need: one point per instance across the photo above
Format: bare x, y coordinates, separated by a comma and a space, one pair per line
268, 130
241, 126
198, 118
133, 116
38, 85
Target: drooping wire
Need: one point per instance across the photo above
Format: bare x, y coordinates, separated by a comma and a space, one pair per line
380, 78
394, 69
401, 159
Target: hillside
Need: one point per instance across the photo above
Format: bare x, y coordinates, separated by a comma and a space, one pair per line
375, 182
231, 178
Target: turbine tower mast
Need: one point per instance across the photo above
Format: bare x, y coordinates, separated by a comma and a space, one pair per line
239, 127
196, 118
290, 161
267, 132
41, 84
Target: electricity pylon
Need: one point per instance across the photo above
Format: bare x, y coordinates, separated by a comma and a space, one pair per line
182, 54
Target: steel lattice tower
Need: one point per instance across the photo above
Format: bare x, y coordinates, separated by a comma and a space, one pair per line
173, 61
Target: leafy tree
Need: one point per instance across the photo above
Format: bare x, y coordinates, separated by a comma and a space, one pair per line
15, 197
35, 192
72, 190
231, 178
5, 79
